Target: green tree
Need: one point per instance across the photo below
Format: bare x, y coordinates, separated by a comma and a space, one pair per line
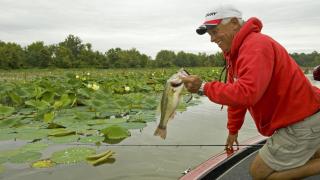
12, 56
38, 55
165, 58
113, 56
218, 59
75, 46
62, 57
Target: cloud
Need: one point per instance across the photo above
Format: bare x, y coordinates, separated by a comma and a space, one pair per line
151, 26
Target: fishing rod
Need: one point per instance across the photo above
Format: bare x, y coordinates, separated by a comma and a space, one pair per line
171, 145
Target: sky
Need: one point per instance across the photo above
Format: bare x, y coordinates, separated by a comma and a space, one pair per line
153, 25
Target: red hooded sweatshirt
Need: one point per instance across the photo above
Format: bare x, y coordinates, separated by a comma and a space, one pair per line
265, 80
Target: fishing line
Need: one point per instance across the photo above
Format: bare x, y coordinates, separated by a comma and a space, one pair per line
170, 145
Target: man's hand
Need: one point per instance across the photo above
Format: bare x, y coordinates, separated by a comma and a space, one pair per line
231, 140
192, 83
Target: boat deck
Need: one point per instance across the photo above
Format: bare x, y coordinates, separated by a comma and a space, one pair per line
230, 167
241, 170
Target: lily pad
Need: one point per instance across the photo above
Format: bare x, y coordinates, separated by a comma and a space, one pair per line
64, 139
61, 132
116, 120
7, 136
6, 110
46, 163
31, 133
71, 123
1, 168
72, 155
25, 157
100, 126
115, 132
48, 117
97, 122
31, 136
85, 115
9, 122
5, 155
134, 125
26, 111
91, 139
33, 147
100, 158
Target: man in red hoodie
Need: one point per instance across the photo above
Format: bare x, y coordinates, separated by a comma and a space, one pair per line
264, 80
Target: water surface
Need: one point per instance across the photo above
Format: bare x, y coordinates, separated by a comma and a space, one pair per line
201, 124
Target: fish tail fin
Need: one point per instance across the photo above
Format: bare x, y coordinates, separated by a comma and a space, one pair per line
162, 132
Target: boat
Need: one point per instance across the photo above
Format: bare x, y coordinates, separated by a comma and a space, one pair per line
230, 166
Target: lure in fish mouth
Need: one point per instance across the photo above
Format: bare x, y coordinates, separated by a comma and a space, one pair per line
170, 100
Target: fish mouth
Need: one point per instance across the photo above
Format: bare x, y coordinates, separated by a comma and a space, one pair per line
175, 84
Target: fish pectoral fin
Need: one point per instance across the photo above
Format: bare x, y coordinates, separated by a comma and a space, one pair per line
172, 115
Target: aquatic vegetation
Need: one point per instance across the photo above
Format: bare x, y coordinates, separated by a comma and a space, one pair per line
91, 107
72, 155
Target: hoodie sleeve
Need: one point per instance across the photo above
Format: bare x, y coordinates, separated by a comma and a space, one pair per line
235, 119
254, 68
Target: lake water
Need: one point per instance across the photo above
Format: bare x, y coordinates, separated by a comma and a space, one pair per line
201, 124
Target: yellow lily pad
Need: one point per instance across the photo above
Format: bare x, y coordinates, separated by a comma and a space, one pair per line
61, 132
45, 163
100, 158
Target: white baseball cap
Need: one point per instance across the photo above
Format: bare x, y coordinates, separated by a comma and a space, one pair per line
215, 16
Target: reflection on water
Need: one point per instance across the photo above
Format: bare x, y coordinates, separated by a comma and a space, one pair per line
202, 124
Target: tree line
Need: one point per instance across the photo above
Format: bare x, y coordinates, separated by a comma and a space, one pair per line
73, 53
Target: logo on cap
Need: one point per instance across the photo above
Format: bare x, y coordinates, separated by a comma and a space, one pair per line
211, 14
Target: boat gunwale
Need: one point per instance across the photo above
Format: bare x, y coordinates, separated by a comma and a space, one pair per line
222, 162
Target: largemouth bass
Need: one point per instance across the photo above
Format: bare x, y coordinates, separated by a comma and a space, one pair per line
170, 101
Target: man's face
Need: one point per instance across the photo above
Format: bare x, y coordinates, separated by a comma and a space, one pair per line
223, 34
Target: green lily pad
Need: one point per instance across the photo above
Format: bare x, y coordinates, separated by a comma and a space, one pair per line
31, 133
71, 123
97, 122
40, 105
33, 147
116, 120
72, 155
48, 117
101, 126
115, 132
10, 122
61, 132
25, 157
91, 139
5, 155
6, 110
31, 136
1, 168
6, 135
85, 115
133, 125
89, 132
26, 111
64, 139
